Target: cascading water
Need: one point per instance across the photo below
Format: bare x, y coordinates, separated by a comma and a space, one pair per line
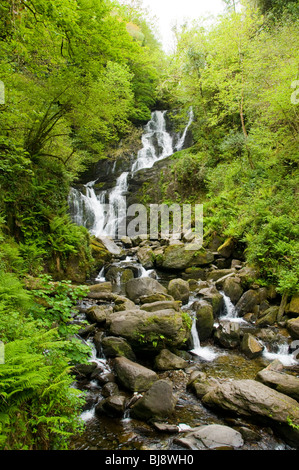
230, 312
102, 213
204, 352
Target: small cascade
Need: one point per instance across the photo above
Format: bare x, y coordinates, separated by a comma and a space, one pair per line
230, 313
204, 352
283, 354
182, 139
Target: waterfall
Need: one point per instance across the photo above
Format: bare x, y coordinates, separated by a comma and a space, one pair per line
204, 352
230, 312
282, 354
102, 213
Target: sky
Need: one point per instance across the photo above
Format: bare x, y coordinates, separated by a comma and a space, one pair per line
170, 12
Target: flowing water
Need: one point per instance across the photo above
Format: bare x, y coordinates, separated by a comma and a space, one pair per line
101, 212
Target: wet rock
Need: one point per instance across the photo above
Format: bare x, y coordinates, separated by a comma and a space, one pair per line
213, 436
194, 273
248, 302
117, 347
110, 389
102, 377
150, 330
204, 319
113, 406
211, 295
165, 427
280, 381
137, 288
99, 313
232, 288
84, 370
252, 398
158, 402
179, 290
250, 346
99, 253
166, 360
293, 327
228, 334
126, 241
133, 376
200, 384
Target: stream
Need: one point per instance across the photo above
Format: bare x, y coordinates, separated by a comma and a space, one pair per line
101, 211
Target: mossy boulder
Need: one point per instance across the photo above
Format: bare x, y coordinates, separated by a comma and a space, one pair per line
151, 331
180, 257
179, 290
99, 253
204, 319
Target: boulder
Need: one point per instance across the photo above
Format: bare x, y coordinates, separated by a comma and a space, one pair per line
204, 319
280, 381
117, 347
157, 297
95, 289
110, 389
247, 303
212, 436
200, 384
250, 346
151, 330
227, 248
99, 253
113, 406
228, 334
158, 402
252, 398
122, 303
145, 286
233, 289
133, 376
146, 257
179, 290
269, 317
293, 327
166, 360
180, 257
211, 295
99, 313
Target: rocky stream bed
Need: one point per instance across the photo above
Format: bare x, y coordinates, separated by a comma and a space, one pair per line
187, 352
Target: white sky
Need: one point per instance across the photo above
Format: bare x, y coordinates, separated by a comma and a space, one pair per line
170, 12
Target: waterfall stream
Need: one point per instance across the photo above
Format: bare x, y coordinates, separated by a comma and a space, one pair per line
102, 212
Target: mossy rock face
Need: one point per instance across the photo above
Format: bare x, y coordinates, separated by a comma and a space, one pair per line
151, 331
100, 253
293, 307
181, 257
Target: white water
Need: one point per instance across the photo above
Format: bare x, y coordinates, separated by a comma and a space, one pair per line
283, 355
102, 214
205, 352
231, 313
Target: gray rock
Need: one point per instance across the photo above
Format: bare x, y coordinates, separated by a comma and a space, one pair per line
179, 290
211, 295
233, 289
166, 360
158, 402
252, 398
110, 389
213, 436
146, 256
248, 302
269, 317
293, 327
150, 330
99, 313
117, 347
162, 305
133, 376
280, 381
113, 406
251, 346
139, 287
204, 319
